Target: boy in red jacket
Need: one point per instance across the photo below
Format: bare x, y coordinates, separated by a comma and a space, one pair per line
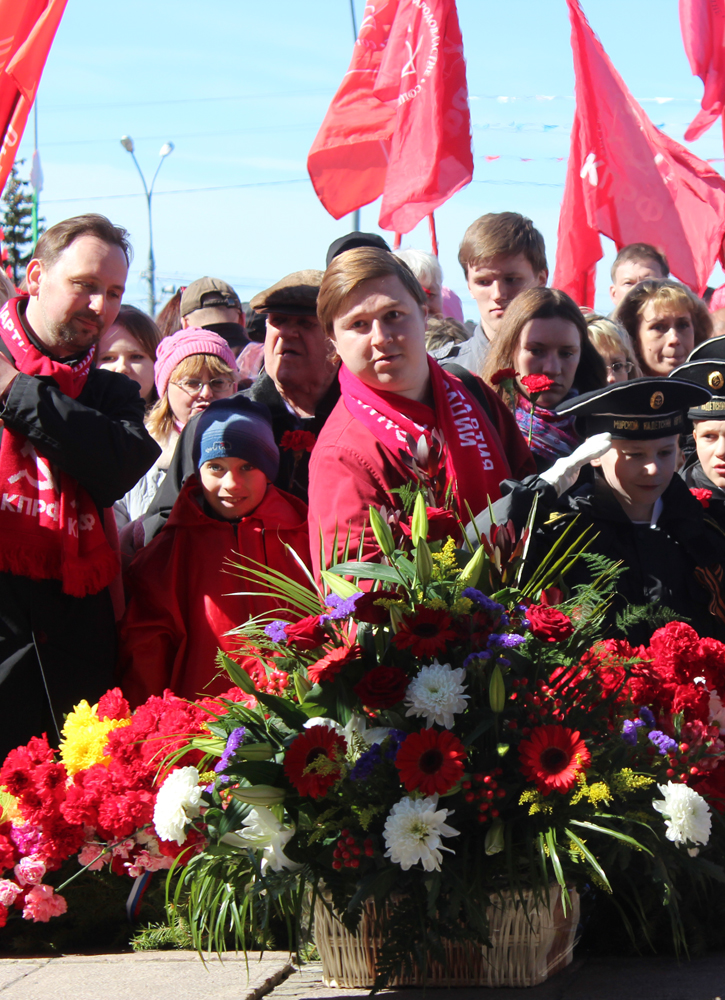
183, 591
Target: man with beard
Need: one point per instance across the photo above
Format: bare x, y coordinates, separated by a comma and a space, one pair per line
72, 442
298, 384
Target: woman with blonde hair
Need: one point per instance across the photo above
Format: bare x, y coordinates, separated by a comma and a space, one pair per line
612, 342
545, 333
665, 321
193, 367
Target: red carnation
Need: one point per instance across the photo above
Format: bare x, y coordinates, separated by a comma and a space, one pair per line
366, 610
704, 496
503, 375
298, 441
425, 632
549, 624
693, 701
312, 760
552, 757
306, 634
536, 384
382, 687
112, 705
327, 668
430, 761
675, 651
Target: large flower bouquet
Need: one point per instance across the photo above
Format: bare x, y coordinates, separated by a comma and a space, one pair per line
449, 734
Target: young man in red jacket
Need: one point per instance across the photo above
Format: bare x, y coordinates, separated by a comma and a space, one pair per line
184, 587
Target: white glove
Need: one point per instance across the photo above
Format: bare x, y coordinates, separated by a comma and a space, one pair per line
565, 471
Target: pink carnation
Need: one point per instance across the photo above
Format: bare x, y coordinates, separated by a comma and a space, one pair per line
41, 903
93, 857
29, 871
8, 891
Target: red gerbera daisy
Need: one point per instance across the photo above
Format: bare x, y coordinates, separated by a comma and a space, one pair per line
553, 756
312, 760
430, 761
425, 632
330, 665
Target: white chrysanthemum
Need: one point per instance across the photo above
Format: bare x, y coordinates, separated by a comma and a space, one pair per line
413, 832
687, 815
437, 694
263, 830
177, 803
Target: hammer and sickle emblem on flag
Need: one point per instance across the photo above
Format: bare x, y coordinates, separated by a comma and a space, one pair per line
589, 170
43, 469
409, 66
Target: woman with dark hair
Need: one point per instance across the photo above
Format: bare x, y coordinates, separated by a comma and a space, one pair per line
545, 333
168, 319
400, 416
666, 321
129, 347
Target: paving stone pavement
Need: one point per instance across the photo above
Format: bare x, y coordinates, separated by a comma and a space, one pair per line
161, 975
584, 979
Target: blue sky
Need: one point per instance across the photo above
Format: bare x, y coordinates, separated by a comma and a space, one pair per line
241, 87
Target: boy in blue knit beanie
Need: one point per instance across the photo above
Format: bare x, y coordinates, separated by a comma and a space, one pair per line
187, 588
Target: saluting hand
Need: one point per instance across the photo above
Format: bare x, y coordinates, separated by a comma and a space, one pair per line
565, 471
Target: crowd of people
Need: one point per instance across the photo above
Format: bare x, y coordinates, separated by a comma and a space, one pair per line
145, 462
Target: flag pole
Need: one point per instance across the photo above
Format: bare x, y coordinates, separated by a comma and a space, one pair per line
34, 218
433, 237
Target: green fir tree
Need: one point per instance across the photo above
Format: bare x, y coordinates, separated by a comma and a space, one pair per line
17, 215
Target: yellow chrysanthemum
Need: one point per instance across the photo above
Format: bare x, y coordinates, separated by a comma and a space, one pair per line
9, 811
85, 737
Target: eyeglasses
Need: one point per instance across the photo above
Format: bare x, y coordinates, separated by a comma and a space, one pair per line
194, 385
620, 366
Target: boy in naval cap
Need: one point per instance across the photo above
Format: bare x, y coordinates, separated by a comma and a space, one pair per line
641, 512
705, 467
187, 588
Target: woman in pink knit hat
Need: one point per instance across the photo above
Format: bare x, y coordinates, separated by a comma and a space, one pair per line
193, 367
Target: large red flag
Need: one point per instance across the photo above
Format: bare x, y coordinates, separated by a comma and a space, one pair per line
629, 181
399, 124
703, 31
27, 29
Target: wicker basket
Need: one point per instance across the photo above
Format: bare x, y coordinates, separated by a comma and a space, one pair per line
528, 945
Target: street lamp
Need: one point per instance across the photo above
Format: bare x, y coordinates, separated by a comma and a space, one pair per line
168, 147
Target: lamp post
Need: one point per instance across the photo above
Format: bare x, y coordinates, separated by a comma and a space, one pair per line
168, 147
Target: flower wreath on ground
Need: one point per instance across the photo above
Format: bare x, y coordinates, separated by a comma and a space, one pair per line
448, 734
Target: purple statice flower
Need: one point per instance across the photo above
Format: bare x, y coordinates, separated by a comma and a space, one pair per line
629, 732
277, 631
506, 640
342, 607
482, 601
473, 657
366, 763
647, 717
234, 741
394, 740
663, 742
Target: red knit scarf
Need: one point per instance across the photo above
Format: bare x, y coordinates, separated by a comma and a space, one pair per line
50, 528
475, 460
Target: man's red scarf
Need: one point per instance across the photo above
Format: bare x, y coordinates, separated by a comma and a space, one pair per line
475, 460
50, 528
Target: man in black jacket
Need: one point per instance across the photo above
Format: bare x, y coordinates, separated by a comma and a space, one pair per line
73, 442
298, 384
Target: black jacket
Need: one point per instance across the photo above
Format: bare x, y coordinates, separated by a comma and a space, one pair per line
660, 561
50, 641
291, 478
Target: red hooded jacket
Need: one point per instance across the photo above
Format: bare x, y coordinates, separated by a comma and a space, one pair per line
350, 469
182, 596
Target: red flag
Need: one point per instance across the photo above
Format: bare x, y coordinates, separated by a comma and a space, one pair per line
399, 124
27, 28
629, 181
703, 32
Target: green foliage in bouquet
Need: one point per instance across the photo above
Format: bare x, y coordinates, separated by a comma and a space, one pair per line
446, 734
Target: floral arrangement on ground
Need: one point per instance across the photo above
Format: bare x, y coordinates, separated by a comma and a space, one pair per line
432, 731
